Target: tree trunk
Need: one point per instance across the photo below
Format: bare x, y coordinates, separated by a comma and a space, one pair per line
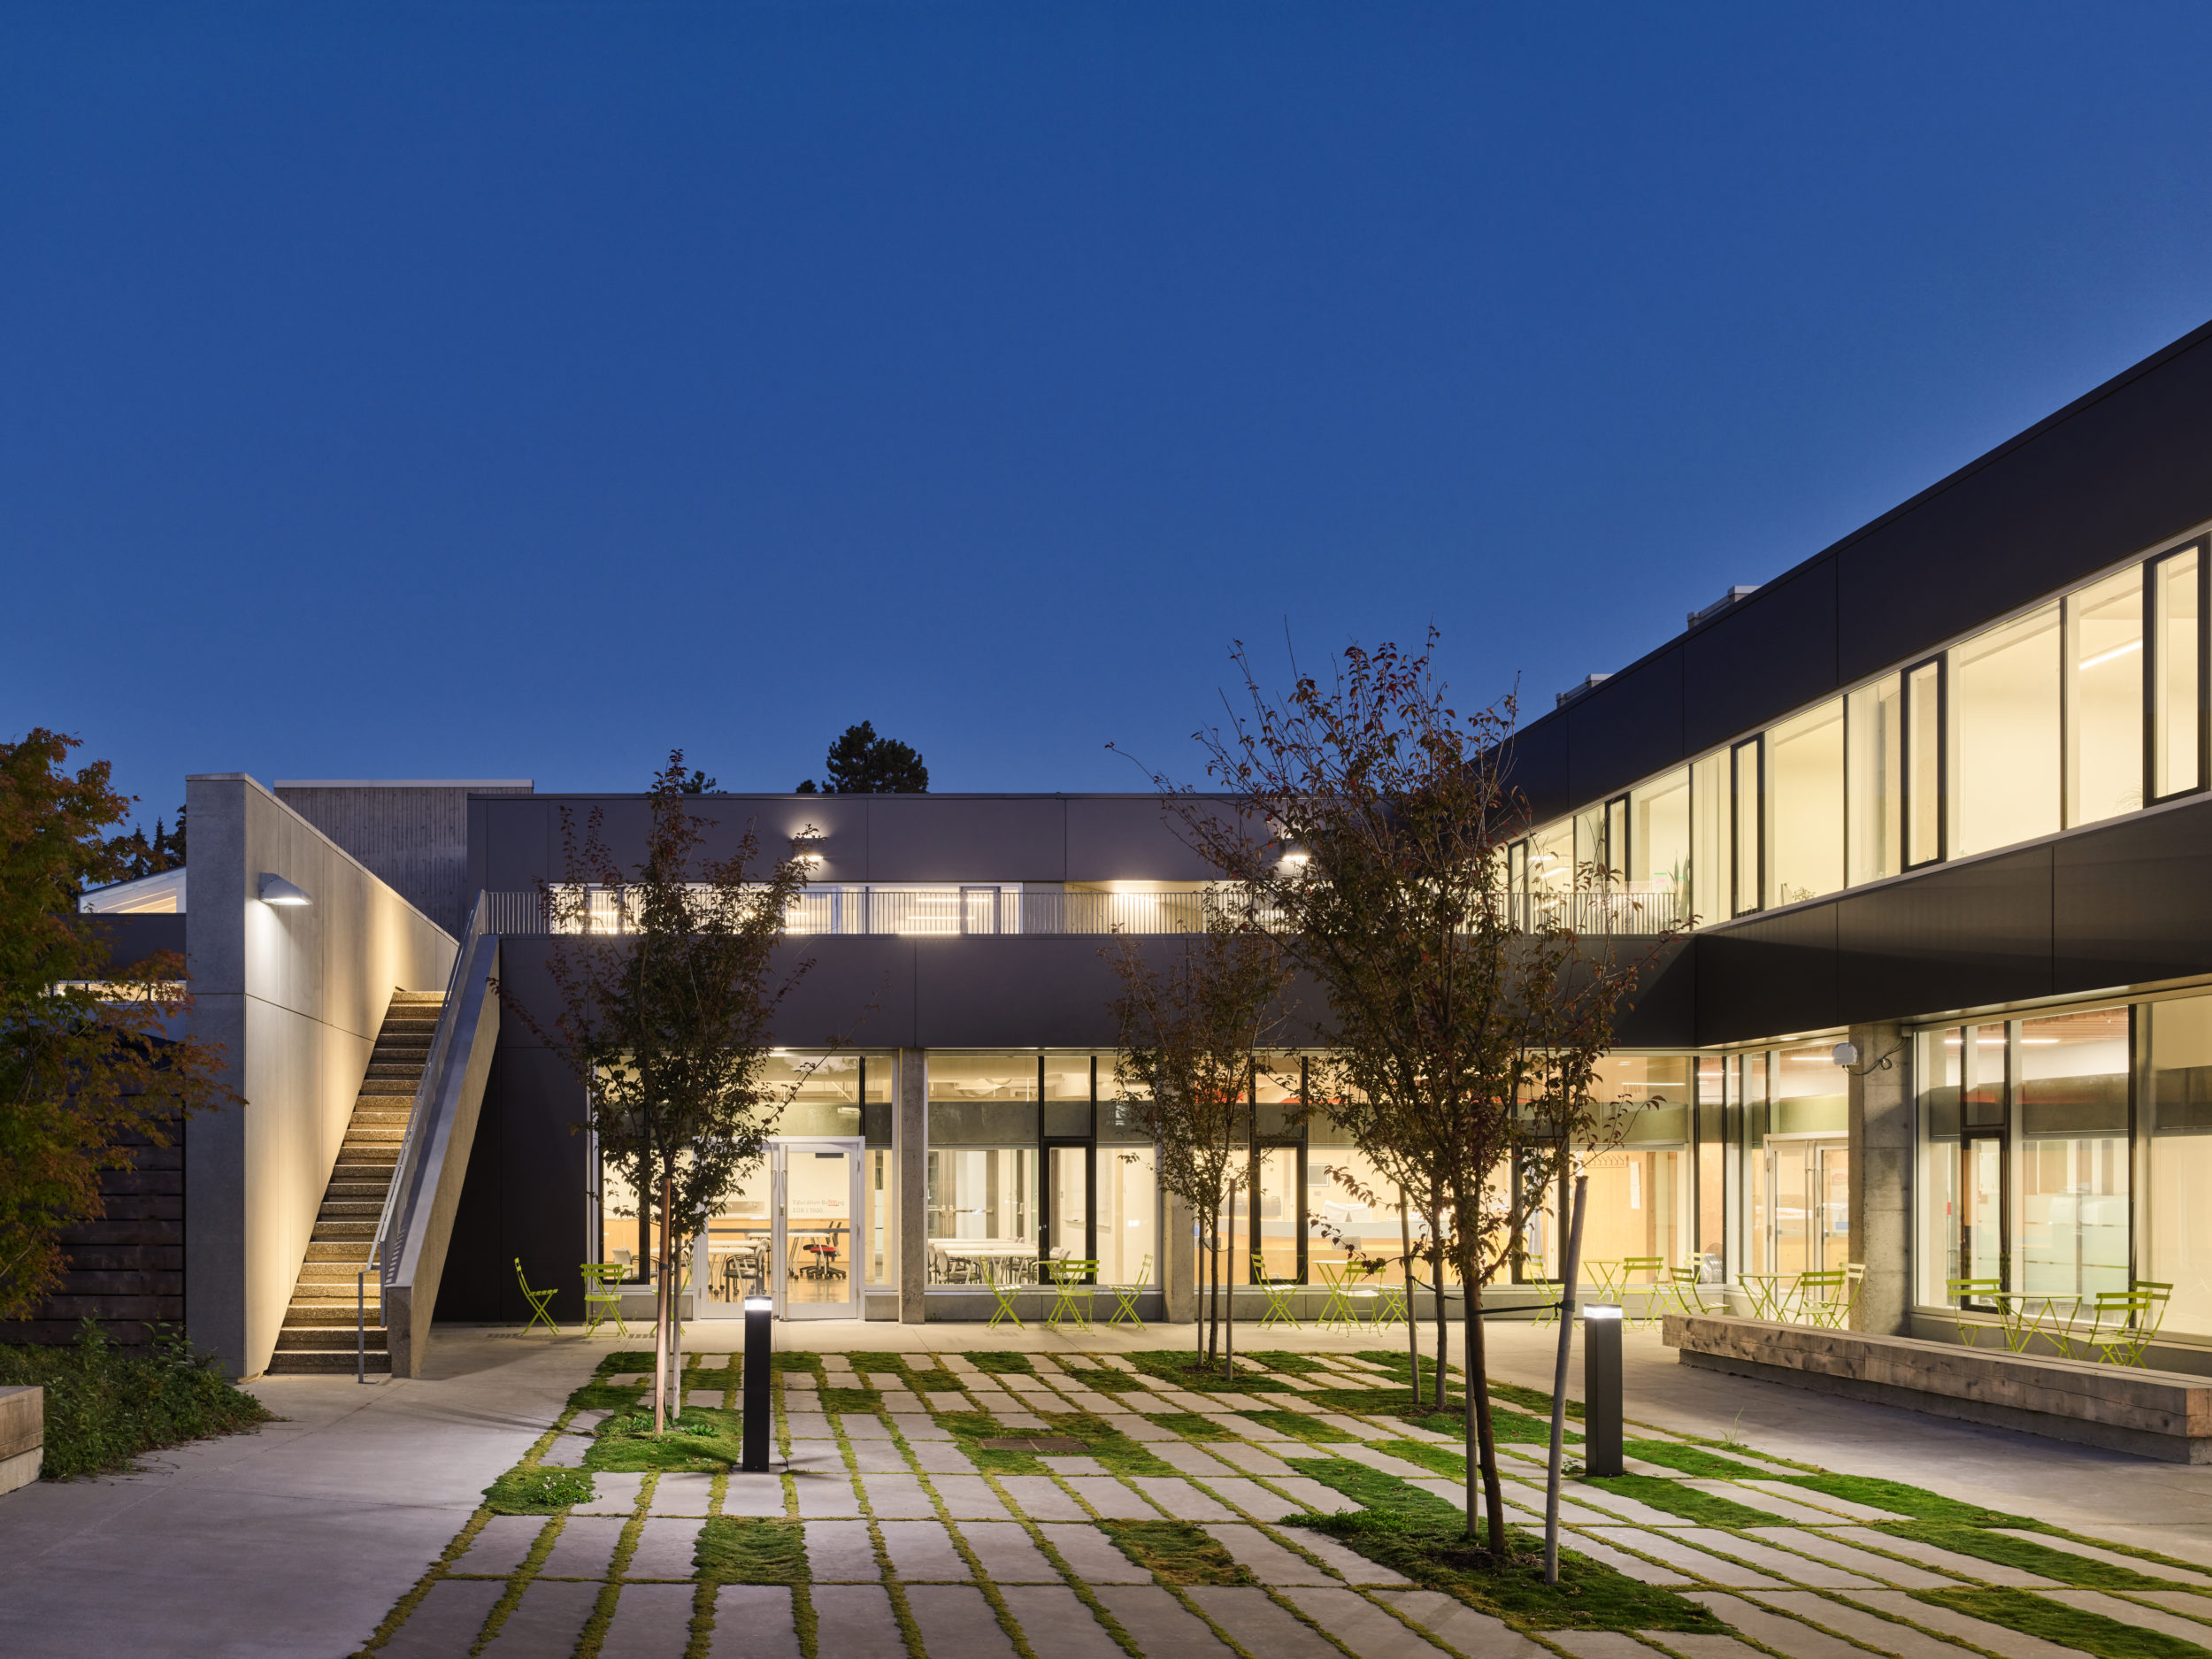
660, 1326
1443, 1321
1413, 1313
1229, 1340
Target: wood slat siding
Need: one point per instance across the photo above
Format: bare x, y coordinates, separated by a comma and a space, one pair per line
128, 1269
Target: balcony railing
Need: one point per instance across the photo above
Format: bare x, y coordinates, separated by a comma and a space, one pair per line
951, 910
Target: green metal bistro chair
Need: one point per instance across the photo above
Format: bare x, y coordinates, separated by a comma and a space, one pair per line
1004, 1292
1347, 1289
1686, 1284
2125, 1323
1546, 1310
1390, 1306
1278, 1294
1655, 1294
1824, 1297
1963, 1291
1072, 1281
1125, 1297
537, 1299
603, 1295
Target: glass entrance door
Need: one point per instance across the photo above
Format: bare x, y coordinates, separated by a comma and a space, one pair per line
787, 1233
1067, 1207
1807, 1207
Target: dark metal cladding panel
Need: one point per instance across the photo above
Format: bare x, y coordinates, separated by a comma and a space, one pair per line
1536, 766
1768, 977
1958, 937
1774, 652
1627, 729
2117, 475
2132, 903
1663, 1013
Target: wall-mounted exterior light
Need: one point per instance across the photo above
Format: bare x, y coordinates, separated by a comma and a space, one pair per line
277, 890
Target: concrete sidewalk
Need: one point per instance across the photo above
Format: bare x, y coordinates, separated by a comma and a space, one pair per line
289, 1542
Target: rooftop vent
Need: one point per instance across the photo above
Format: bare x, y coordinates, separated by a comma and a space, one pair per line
1582, 690
1733, 597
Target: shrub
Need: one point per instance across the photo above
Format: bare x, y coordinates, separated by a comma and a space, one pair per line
107, 1406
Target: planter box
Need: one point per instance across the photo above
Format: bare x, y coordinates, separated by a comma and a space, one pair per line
22, 1436
2165, 1415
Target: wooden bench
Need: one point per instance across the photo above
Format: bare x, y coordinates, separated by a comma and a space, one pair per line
2165, 1415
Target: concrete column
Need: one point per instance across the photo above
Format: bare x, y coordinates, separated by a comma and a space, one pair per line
1179, 1265
911, 1141
1880, 1187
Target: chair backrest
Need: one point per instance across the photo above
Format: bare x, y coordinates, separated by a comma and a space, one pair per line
1685, 1275
1854, 1272
522, 1277
1969, 1289
1653, 1264
1821, 1279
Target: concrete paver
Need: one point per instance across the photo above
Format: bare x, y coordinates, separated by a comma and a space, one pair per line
1268, 1561
1665, 1547
1091, 1556
1978, 1632
957, 1623
1056, 1623
1856, 1623
664, 1549
651, 1621
923, 1551
547, 1620
1460, 1627
2110, 1558
584, 1548
1785, 1635
1368, 1631
1969, 1567
1257, 1624
502, 1545
855, 1621
1882, 1569
754, 1620
1041, 1498
2130, 1612
1159, 1624
446, 1621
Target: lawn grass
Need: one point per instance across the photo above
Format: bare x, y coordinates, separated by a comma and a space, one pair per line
895, 1365
1691, 1460
1103, 1377
2081, 1571
698, 1438
1179, 1551
2054, 1621
1298, 1426
1706, 1509
107, 1405
537, 1491
940, 1381
751, 1549
1419, 1534
851, 1400
1107, 1444
999, 1364
1441, 1459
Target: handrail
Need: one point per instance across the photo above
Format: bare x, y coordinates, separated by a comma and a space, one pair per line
384, 1252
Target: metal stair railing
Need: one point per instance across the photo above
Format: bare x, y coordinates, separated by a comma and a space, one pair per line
391, 1234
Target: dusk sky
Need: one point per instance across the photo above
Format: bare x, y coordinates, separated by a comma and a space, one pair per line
518, 390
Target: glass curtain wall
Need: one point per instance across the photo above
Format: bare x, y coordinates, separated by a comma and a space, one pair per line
1638, 1205
1709, 874
2177, 672
1709, 1229
1659, 855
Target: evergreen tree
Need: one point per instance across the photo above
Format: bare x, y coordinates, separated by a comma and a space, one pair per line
861, 763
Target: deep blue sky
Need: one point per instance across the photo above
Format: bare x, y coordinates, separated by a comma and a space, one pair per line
519, 390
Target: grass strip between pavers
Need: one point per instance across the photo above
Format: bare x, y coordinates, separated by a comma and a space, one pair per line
1298, 1426
700, 1438
1002, 1363
1706, 1508
1417, 1533
1899, 1499
1187, 1370
1691, 1460
751, 1549
2033, 1614
1179, 1551
2080, 1571
1191, 1426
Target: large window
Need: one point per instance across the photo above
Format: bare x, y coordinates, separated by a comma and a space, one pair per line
2177, 672
1710, 870
2071, 1106
2005, 719
1874, 789
1659, 844
1804, 793
982, 1166
1744, 785
1924, 727
2104, 693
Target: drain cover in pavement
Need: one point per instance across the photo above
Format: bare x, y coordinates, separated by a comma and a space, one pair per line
1048, 1445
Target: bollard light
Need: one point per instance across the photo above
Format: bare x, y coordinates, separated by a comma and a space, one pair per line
759, 1311
1602, 1390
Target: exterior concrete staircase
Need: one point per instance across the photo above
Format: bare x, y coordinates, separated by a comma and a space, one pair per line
317, 1335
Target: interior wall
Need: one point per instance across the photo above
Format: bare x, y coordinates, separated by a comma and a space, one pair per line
295, 995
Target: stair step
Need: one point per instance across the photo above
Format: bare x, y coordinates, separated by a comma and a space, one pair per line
349, 1212
332, 1362
354, 1250
309, 1338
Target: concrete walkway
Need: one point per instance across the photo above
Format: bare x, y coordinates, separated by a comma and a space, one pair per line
296, 1540
288, 1542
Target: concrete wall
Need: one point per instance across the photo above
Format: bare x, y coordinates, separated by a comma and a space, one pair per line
295, 995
